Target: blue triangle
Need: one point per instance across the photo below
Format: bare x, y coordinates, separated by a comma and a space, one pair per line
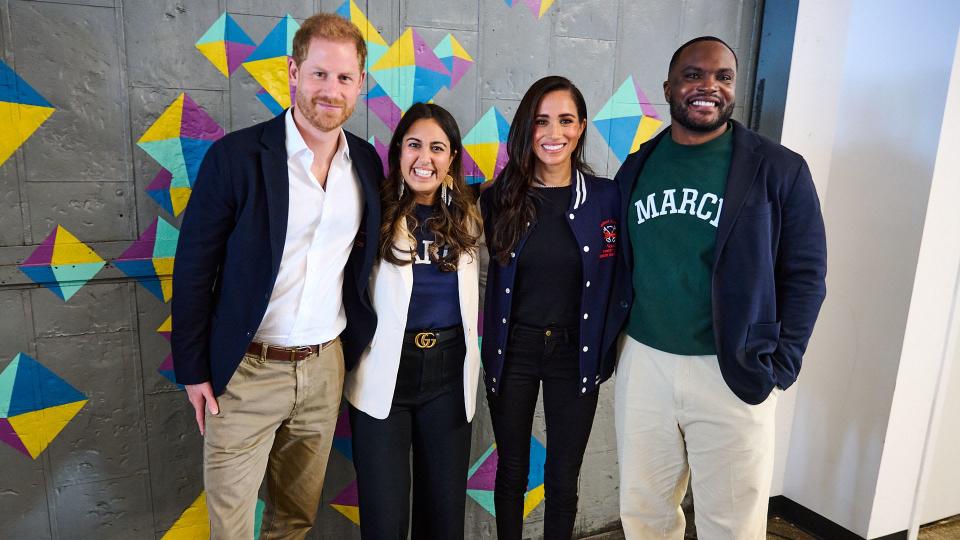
503, 127
36, 387
272, 46
162, 197
193, 152
619, 133
344, 10
377, 92
236, 34
427, 83
143, 271
13, 89
43, 275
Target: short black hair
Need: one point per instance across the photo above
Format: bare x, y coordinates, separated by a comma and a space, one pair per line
676, 54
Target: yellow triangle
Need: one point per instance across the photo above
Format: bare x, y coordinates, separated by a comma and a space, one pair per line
458, 49
272, 75
179, 198
352, 512
37, 429
67, 249
22, 121
216, 53
164, 269
193, 523
167, 325
168, 125
544, 6
648, 126
399, 54
533, 498
367, 30
485, 156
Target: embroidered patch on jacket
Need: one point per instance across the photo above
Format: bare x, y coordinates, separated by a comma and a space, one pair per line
609, 229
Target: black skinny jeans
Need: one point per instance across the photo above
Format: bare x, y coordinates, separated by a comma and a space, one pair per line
428, 415
533, 357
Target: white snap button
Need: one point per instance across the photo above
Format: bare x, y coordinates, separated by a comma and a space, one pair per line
571, 216
512, 254
585, 349
504, 320
584, 379
588, 284
508, 290
499, 351
583, 390
586, 248
586, 316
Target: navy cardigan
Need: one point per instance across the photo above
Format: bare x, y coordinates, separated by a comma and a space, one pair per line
769, 263
593, 216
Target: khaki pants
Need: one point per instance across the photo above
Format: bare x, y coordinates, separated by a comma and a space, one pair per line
675, 415
276, 417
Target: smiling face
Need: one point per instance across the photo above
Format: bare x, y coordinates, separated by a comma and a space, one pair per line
328, 83
701, 92
556, 129
425, 159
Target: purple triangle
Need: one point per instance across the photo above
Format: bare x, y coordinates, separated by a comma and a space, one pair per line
142, 248
424, 56
43, 255
486, 475
236, 54
470, 167
645, 104
460, 68
195, 123
9, 436
161, 181
348, 497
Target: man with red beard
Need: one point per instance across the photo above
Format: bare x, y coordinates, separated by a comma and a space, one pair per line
723, 277
270, 289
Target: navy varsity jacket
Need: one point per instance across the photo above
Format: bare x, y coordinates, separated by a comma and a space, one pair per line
593, 216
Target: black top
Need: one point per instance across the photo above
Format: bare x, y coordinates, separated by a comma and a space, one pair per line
435, 300
549, 272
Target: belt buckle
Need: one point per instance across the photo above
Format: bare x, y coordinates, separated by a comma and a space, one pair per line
425, 340
296, 350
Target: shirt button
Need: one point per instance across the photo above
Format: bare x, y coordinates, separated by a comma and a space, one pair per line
508, 290
588, 283
571, 216
585, 349
586, 248
586, 316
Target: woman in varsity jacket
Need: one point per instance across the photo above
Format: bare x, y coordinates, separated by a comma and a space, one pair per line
551, 233
415, 387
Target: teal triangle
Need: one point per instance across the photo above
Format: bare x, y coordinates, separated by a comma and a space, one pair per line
258, 516
484, 498
292, 26
623, 102
71, 277
43, 275
7, 377
398, 84
619, 133
169, 154
375, 52
36, 387
216, 31
165, 244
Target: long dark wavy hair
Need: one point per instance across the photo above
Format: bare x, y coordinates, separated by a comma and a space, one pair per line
513, 199
455, 226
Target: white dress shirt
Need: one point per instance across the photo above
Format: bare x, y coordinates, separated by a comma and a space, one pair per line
306, 306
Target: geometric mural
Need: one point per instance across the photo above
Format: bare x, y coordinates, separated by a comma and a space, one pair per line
194, 522
537, 7
166, 367
456, 59
226, 45
381, 149
149, 259
35, 405
62, 263
22, 111
267, 64
482, 478
376, 46
486, 147
346, 502
627, 119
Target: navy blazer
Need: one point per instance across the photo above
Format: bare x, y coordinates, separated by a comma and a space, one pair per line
593, 219
230, 247
769, 264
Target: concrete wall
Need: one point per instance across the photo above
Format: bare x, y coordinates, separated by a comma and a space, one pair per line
862, 408
128, 464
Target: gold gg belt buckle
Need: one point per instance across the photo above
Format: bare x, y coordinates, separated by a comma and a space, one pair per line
425, 340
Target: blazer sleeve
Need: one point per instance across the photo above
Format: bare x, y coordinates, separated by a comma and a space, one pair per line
800, 273
207, 223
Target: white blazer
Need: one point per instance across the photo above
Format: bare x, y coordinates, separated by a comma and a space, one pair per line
370, 385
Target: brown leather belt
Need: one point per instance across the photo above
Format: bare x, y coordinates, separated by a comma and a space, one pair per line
291, 354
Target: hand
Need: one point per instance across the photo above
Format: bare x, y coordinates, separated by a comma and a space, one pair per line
200, 395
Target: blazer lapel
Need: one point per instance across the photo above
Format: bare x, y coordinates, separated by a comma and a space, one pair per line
273, 161
369, 233
744, 164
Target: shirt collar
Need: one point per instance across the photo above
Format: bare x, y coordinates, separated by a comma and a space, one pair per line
296, 144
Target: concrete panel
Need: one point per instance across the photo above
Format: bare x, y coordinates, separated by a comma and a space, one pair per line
649, 33
16, 332
106, 439
106, 509
161, 39
586, 63
176, 456
515, 49
97, 308
23, 497
298, 9
91, 211
719, 18
594, 19
11, 212
448, 15
69, 55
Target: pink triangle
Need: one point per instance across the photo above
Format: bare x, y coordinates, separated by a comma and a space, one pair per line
195, 123
167, 364
236, 54
348, 497
43, 255
161, 181
645, 104
142, 248
470, 167
502, 159
424, 56
9, 436
486, 475
460, 68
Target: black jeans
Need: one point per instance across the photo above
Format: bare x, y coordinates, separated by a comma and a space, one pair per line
428, 415
533, 357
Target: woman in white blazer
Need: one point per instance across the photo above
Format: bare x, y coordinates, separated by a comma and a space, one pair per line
415, 386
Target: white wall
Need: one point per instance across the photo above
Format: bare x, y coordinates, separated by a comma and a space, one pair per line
865, 103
